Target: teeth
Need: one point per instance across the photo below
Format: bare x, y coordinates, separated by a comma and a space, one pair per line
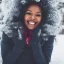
31, 23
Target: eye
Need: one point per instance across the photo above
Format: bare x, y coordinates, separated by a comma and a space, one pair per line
38, 15
29, 13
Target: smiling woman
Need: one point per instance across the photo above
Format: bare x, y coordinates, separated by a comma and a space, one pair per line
22, 40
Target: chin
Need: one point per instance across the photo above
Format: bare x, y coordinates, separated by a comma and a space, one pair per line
31, 28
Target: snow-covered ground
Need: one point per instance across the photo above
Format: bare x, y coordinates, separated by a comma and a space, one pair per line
58, 51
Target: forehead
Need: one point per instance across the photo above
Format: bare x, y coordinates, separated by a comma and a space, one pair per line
34, 8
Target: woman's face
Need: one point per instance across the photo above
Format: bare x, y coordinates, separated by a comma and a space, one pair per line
32, 17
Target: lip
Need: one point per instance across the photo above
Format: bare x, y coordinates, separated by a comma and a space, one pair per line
31, 22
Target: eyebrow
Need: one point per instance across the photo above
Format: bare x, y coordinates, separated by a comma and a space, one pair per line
30, 11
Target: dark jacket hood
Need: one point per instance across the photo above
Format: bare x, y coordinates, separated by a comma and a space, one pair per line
52, 20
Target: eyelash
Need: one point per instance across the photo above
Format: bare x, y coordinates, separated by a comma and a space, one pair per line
36, 14
28, 13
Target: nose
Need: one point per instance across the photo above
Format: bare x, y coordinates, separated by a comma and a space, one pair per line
33, 17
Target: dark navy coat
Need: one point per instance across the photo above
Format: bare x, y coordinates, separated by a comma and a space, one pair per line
11, 48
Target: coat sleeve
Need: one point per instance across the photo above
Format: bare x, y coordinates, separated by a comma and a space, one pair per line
47, 48
9, 53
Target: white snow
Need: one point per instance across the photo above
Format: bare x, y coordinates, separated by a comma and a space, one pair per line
58, 51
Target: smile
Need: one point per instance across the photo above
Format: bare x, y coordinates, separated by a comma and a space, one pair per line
31, 22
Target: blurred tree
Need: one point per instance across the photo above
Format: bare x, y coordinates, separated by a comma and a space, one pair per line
0, 1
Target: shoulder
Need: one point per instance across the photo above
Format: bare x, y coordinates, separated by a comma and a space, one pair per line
13, 29
47, 37
51, 37
48, 40
5, 38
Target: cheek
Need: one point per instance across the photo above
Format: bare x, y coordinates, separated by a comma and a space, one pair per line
26, 17
39, 20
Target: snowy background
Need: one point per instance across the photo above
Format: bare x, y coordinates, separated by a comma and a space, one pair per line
58, 52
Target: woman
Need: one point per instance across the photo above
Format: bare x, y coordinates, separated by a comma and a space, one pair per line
22, 42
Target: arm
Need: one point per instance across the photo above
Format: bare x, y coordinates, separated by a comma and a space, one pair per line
9, 52
47, 48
